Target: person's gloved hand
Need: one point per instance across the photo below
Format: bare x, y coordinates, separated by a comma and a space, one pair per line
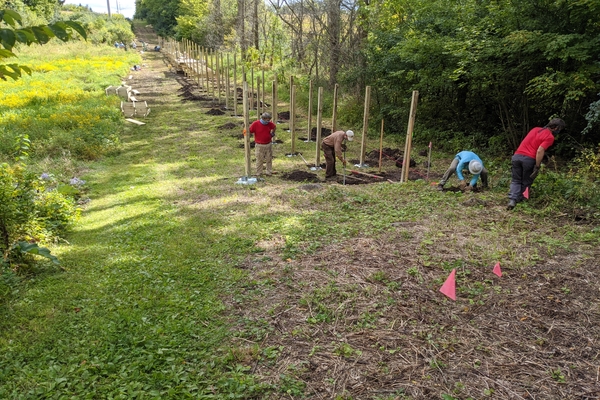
272, 134
462, 184
536, 171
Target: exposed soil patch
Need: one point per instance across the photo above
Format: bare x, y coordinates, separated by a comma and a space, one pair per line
354, 177
214, 111
231, 125
300, 176
313, 134
189, 91
395, 155
365, 320
283, 116
386, 153
242, 145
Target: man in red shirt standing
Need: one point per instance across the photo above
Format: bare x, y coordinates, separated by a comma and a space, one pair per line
528, 157
264, 132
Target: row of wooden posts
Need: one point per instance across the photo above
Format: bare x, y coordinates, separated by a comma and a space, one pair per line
212, 71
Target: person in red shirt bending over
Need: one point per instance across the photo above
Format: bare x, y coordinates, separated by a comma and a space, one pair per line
264, 132
528, 157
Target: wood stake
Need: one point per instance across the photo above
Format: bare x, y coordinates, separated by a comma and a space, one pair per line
252, 88
363, 146
218, 67
293, 119
310, 96
274, 100
408, 144
227, 84
334, 114
319, 126
262, 104
246, 129
235, 82
428, 161
381, 146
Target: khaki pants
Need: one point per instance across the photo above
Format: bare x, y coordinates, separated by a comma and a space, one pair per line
264, 154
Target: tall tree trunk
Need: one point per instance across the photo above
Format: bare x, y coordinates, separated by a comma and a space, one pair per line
361, 43
300, 35
241, 31
217, 33
334, 25
255, 24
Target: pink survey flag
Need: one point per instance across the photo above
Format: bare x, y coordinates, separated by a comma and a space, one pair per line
526, 192
497, 270
449, 287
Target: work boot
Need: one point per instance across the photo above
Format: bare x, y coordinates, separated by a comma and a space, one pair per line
511, 204
440, 187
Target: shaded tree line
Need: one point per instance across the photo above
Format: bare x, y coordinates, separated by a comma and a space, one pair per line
485, 68
494, 67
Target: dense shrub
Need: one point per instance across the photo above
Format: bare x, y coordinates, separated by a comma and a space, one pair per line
574, 190
56, 212
31, 213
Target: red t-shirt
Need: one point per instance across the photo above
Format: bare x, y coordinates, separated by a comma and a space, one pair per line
262, 133
535, 138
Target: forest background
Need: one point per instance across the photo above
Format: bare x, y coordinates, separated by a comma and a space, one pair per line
486, 71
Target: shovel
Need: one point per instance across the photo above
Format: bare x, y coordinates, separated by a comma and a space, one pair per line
344, 168
305, 162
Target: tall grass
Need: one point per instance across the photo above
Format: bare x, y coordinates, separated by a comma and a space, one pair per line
62, 106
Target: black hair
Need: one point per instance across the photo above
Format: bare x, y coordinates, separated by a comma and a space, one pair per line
556, 123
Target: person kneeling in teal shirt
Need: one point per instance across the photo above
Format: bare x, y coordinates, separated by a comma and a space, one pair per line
466, 160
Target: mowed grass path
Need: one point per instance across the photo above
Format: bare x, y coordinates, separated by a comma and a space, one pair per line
136, 313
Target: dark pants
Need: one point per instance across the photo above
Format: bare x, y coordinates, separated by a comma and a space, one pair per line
522, 167
452, 170
329, 152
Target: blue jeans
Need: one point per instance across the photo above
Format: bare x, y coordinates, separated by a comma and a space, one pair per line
522, 167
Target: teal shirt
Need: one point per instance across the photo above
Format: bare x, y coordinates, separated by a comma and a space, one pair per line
464, 158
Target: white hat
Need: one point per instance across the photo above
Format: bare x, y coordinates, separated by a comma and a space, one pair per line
475, 167
350, 135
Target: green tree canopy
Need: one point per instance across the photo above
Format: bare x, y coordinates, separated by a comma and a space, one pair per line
12, 33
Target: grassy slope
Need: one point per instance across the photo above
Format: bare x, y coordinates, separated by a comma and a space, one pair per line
139, 310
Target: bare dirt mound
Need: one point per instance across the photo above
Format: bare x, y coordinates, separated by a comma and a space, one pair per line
188, 90
215, 111
231, 125
301, 176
